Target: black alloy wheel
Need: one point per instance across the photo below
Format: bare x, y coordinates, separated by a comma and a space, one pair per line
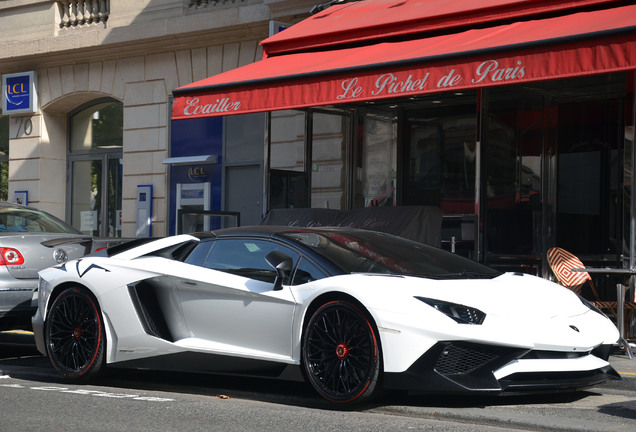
75, 335
341, 353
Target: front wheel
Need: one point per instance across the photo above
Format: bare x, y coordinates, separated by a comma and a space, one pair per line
75, 335
340, 353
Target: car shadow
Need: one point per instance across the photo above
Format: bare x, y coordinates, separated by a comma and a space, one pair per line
37, 368
625, 410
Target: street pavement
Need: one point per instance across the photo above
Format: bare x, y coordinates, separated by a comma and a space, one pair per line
625, 367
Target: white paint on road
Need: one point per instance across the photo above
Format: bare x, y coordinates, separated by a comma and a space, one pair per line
85, 392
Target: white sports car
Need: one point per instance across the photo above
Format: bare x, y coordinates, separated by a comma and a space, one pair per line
347, 310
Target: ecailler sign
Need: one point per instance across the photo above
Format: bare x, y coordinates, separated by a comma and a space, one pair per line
19, 94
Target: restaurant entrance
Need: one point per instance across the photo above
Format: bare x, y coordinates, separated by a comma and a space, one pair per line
554, 156
517, 170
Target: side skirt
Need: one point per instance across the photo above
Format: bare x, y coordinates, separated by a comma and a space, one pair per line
196, 362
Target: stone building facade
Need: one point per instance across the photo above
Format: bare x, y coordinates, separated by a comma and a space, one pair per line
117, 60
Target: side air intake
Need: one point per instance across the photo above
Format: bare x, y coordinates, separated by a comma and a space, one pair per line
144, 298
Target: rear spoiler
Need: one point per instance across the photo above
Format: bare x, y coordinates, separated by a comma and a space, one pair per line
66, 240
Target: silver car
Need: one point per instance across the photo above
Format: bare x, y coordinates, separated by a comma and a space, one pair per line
31, 240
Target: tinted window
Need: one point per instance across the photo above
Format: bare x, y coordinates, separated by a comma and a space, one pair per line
245, 257
199, 254
358, 251
307, 272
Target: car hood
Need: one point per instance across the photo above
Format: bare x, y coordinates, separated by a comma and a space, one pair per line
39, 251
520, 309
536, 312
509, 294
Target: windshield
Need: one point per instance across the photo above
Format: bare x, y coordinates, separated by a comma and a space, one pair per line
359, 251
28, 220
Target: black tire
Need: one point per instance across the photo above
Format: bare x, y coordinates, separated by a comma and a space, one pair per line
340, 353
74, 333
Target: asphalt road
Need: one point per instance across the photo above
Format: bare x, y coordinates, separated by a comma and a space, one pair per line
33, 397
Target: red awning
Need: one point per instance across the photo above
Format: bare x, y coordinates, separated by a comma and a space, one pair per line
585, 43
371, 21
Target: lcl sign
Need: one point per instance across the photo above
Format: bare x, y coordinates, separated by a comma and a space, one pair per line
19, 94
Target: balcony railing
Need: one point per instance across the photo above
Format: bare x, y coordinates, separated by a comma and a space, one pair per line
74, 13
196, 4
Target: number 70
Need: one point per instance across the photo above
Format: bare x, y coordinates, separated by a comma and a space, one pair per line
25, 126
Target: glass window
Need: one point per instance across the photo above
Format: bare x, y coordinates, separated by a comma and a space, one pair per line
244, 137
27, 220
328, 160
199, 254
441, 153
99, 126
307, 272
287, 141
246, 258
513, 178
589, 167
287, 168
377, 161
553, 170
373, 252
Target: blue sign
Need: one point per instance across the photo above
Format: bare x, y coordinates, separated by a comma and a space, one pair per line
18, 93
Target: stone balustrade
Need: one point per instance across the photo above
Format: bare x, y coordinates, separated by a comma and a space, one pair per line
74, 13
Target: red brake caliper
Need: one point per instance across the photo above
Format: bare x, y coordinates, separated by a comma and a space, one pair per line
342, 351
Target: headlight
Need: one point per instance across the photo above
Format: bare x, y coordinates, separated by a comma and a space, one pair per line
460, 313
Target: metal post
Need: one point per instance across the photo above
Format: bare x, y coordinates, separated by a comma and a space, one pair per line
620, 296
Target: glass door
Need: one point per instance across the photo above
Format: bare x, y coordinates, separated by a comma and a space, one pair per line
95, 168
96, 196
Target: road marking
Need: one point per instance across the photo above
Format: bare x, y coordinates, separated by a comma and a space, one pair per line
627, 373
85, 392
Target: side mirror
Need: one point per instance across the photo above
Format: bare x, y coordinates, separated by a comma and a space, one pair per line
283, 264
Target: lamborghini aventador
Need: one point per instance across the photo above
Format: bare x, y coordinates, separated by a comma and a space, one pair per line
349, 311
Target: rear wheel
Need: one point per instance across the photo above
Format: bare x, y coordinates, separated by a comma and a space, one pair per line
75, 334
340, 353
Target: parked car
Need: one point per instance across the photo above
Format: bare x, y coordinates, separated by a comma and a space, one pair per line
31, 240
347, 310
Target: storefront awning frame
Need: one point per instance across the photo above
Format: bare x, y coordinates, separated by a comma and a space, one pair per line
566, 46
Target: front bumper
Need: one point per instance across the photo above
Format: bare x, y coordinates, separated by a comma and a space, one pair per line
465, 367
